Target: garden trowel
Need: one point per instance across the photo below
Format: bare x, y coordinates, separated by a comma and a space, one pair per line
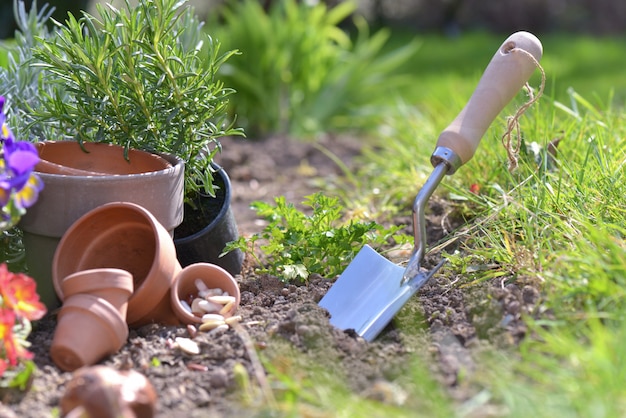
372, 289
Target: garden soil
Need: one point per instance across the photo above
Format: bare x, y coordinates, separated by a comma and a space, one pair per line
449, 325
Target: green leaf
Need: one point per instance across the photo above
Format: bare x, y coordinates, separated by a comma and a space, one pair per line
297, 245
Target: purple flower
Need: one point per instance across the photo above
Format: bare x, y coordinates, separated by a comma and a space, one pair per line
28, 194
18, 182
20, 159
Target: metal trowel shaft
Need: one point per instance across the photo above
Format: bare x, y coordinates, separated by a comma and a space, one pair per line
507, 72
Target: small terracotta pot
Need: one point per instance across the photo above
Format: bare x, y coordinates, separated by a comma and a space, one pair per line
125, 236
184, 288
88, 330
111, 284
95, 159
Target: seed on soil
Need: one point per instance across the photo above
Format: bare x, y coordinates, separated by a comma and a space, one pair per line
197, 367
233, 320
212, 317
187, 345
211, 324
192, 331
169, 343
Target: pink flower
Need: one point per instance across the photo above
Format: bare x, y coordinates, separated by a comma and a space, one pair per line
3, 366
19, 302
19, 293
10, 348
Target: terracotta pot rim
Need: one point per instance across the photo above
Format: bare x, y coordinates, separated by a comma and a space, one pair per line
176, 163
169, 159
187, 317
125, 284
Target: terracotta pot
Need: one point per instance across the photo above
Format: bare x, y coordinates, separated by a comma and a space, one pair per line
214, 277
111, 284
125, 236
65, 198
95, 159
88, 330
217, 227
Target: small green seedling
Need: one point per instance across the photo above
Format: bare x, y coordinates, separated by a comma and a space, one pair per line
296, 245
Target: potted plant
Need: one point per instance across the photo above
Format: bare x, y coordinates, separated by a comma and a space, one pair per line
141, 77
138, 176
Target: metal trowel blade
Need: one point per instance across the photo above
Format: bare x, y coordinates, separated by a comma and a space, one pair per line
364, 291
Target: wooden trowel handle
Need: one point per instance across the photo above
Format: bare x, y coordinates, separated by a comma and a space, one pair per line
505, 75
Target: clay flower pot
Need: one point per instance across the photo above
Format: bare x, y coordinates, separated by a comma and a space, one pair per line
111, 284
184, 288
88, 329
95, 159
91, 179
125, 236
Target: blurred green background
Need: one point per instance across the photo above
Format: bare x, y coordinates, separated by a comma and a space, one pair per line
583, 40
597, 17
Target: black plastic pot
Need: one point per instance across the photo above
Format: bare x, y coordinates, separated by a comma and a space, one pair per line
207, 228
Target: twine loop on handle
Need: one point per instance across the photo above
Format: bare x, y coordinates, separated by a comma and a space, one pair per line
513, 145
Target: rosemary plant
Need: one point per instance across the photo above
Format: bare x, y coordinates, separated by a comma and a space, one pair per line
19, 81
141, 77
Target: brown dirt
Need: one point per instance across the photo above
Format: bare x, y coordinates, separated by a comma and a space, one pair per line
443, 323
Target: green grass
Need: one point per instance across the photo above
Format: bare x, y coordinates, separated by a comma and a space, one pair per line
444, 67
299, 73
557, 223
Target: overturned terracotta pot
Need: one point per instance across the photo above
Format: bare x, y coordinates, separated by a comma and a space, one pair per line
125, 236
113, 285
88, 329
186, 288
